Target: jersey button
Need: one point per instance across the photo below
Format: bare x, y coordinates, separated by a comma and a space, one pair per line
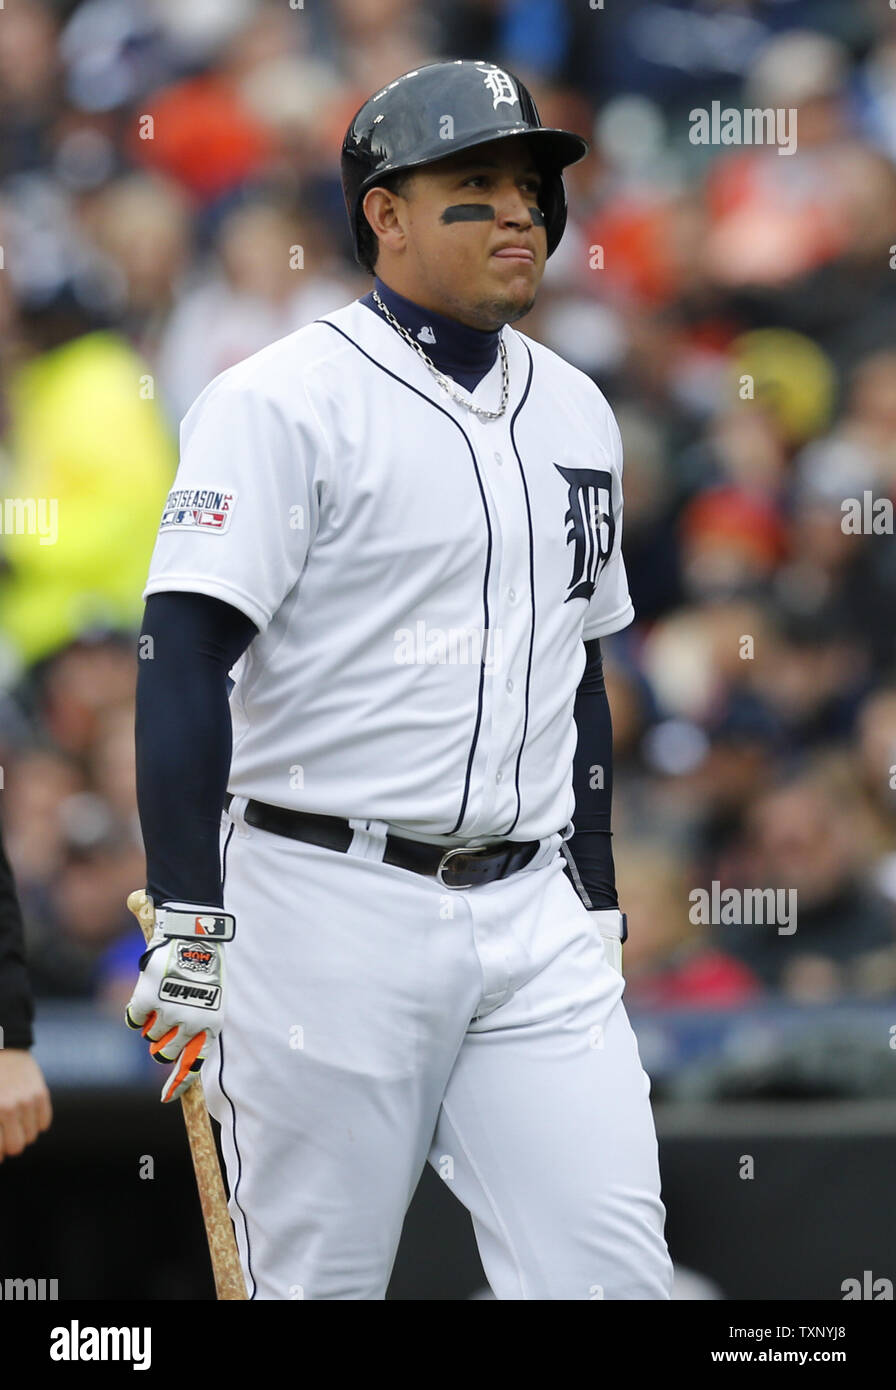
499, 458
510, 685
499, 776
511, 594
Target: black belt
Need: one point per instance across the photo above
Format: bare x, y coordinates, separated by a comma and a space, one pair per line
474, 865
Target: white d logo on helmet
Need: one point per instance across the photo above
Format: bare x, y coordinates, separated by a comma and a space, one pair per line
501, 87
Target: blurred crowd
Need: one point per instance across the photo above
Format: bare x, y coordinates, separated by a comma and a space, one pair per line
170, 202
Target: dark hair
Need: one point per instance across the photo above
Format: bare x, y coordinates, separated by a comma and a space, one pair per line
368, 242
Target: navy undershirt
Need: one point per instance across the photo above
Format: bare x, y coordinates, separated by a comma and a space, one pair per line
463, 353
184, 740
183, 729
591, 845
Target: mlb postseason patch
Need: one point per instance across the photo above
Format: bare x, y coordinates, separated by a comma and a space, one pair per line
205, 509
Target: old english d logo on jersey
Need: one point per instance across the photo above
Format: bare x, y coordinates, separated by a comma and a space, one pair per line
591, 526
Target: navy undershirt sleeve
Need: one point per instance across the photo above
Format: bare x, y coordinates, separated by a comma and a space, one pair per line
592, 779
184, 740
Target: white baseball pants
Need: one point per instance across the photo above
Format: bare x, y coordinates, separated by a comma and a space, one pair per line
375, 1019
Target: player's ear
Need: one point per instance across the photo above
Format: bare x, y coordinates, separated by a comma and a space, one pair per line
379, 209
383, 210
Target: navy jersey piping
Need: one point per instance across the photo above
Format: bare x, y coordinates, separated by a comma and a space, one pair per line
239, 1157
519, 756
488, 559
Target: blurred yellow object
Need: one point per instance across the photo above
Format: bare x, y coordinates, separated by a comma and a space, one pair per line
792, 378
92, 459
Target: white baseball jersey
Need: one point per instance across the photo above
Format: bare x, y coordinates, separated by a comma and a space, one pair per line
422, 579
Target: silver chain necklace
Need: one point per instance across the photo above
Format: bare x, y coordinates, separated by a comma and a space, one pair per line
444, 381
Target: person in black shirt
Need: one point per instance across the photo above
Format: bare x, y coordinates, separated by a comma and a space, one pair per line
25, 1107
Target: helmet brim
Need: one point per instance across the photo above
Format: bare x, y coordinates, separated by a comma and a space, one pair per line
554, 150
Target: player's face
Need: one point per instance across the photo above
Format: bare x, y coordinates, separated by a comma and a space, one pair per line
456, 222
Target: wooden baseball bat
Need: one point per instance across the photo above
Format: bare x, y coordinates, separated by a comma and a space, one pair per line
229, 1282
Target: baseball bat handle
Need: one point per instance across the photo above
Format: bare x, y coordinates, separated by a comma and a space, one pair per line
229, 1282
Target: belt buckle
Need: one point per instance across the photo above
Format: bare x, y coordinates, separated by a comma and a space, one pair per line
458, 849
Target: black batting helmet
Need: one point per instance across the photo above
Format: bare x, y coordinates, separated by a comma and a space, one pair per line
438, 109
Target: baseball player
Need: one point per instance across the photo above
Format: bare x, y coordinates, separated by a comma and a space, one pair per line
384, 569
25, 1106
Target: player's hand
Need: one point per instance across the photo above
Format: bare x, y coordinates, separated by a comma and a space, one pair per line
611, 925
177, 1003
25, 1107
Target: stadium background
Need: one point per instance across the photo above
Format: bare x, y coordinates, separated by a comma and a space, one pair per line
169, 203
